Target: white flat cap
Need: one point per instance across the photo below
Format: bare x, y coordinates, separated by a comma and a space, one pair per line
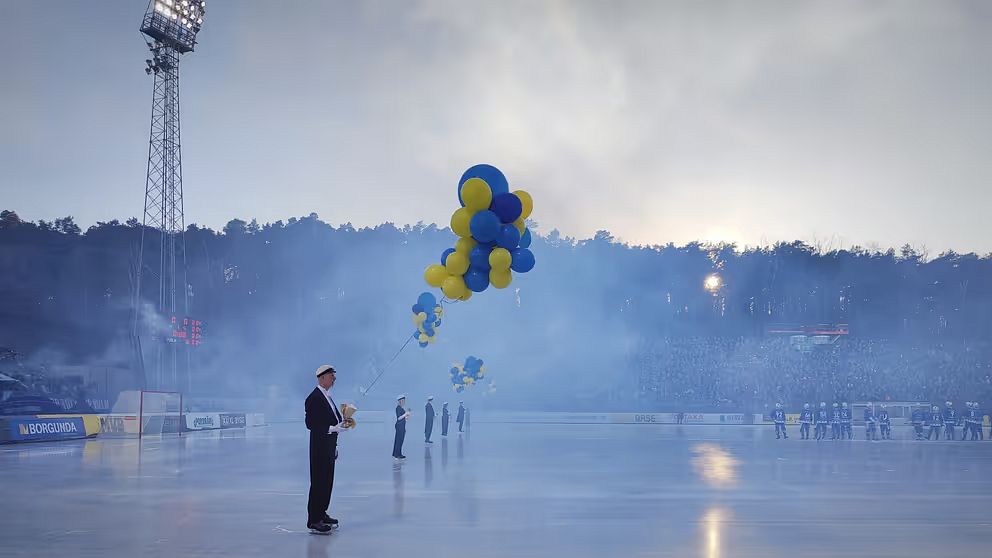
430, 397
324, 369
401, 396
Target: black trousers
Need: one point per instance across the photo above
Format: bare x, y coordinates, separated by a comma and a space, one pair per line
322, 450
934, 430
949, 431
461, 425
804, 431
444, 426
886, 431
398, 442
821, 430
428, 429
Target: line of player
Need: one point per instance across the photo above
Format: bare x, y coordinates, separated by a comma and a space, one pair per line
878, 423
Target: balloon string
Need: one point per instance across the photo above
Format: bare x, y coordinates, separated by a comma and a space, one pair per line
386, 367
395, 356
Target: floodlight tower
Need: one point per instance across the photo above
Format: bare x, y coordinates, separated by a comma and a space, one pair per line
170, 28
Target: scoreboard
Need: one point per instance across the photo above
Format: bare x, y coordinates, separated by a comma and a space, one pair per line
186, 330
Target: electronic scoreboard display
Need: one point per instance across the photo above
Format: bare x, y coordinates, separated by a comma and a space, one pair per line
187, 331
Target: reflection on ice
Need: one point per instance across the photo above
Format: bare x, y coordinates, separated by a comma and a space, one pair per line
715, 465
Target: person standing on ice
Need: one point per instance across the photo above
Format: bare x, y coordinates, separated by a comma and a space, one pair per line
778, 417
950, 421
835, 423
846, 421
919, 418
936, 422
870, 422
805, 419
324, 421
822, 419
401, 416
885, 423
429, 420
460, 417
445, 417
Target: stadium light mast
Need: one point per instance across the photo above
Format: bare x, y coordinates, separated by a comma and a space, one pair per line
170, 28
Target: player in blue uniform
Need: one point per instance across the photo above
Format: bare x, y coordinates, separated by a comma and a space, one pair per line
778, 416
950, 420
885, 423
966, 421
919, 419
822, 419
835, 422
870, 422
846, 422
936, 423
805, 419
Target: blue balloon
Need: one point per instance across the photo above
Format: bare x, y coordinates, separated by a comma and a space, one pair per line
428, 330
477, 280
489, 245
523, 260
479, 258
417, 309
509, 237
431, 316
445, 254
507, 207
493, 177
484, 226
437, 324
427, 301
525, 239
422, 345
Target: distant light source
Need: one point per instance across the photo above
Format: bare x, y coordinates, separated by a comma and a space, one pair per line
713, 283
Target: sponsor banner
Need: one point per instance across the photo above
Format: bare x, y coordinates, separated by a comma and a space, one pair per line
617, 418
119, 424
202, 421
34, 429
233, 420
91, 422
255, 419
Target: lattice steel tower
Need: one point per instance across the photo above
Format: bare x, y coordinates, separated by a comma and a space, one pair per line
170, 28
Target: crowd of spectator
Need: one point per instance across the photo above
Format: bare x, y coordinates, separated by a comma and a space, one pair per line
750, 373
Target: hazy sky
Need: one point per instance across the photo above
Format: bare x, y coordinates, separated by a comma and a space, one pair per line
862, 122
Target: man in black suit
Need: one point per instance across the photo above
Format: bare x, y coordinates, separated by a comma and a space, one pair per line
445, 416
460, 417
324, 421
429, 418
401, 416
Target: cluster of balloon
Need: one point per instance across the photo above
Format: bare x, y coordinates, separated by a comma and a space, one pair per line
427, 317
493, 236
465, 375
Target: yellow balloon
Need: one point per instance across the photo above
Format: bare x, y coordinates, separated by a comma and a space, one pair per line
467, 295
476, 194
421, 317
500, 278
469, 380
526, 203
465, 245
461, 220
521, 225
435, 275
454, 286
439, 311
422, 338
457, 263
499, 259
432, 339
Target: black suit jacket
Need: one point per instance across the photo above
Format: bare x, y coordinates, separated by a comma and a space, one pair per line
320, 417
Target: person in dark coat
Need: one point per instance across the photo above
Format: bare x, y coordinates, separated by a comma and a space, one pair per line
324, 421
445, 417
460, 417
429, 420
401, 416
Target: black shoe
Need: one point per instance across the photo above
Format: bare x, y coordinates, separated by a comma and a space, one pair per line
330, 520
319, 527
428, 442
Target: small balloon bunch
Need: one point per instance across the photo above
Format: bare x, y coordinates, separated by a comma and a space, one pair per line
493, 236
465, 375
427, 317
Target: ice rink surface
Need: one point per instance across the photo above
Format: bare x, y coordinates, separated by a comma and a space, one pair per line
502, 490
